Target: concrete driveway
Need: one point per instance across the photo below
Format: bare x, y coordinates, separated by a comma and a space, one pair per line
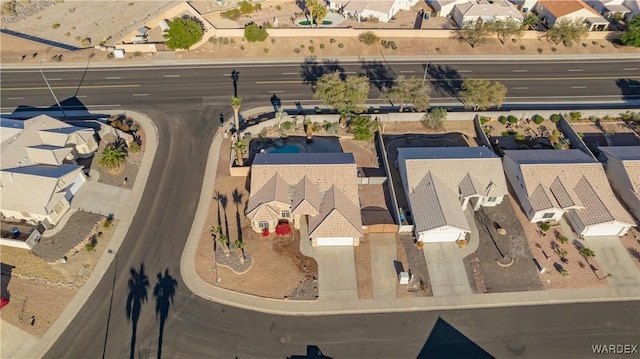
446, 269
336, 273
614, 259
96, 197
383, 254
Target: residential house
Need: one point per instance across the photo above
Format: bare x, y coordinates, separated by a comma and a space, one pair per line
440, 183
553, 183
383, 10
622, 165
486, 11
444, 8
38, 171
320, 189
550, 11
610, 8
525, 5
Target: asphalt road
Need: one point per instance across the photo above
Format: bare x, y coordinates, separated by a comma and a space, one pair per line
185, 111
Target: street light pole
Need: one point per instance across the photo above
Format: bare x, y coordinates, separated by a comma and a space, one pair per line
426, 69
51, 90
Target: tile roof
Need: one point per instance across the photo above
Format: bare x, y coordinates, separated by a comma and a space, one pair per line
383, 6
630, 158
321, 185
436, 177
560, 8
568, 177
484, 8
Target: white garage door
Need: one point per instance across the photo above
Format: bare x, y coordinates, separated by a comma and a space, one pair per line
432, 237
334, 241
611, 230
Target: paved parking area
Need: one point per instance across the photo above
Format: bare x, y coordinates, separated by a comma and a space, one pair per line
383, 254
96, 197
336, 273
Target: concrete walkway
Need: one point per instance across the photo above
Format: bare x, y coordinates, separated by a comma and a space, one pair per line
446, 270
384, 252
98, 197
12, 339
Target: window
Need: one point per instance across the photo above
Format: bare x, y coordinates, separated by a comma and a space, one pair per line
263, 224
492, 199
285, 213
58, 208
548, 215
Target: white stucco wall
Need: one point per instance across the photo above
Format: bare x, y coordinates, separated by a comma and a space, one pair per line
622, 185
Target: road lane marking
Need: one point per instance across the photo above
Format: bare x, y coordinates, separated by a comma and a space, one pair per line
113, 77
81, 96
482, 78
70, 87
275, 91
55, 79
520, 70
520, 88
15, 98
631, 69
350, 72
574, 70
140, 94
465, 71
171, 75
289, 73
407, 72
578, 87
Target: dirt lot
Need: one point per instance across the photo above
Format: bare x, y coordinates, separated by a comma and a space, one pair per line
364, 278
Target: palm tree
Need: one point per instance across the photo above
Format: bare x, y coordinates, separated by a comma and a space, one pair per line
112, 158
240, 146
239, 247
235, 105
529, 21
224, 240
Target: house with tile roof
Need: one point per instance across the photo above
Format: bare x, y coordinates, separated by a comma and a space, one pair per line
318, 189
550, 11
622, 165
39, 174
486, 11
383, 10
611, 8
440, 183
551, 184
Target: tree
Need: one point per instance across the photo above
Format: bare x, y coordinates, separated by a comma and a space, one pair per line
567, 32
362, 128
239, 247
435, 119
183, 32
529, 21
482, 94
475, 33
347, 96
368, 38
224, 241
235, 105
240, 146
631, 37
112, 158
255, 33
508, 28
317, 11
408, 91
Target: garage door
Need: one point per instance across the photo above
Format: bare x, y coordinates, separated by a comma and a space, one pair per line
432, 237
595, 231
334, 241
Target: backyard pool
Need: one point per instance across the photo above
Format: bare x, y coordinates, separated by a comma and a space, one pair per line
290, 148
306, 23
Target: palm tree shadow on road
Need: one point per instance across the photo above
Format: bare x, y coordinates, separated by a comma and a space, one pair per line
138, 284
164, 291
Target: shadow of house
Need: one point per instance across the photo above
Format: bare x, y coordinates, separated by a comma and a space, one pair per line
75, 112
313, 352
5, 278
445, 341
446, 80
312, 70
629, 89
164, 291
138, 295
379, 74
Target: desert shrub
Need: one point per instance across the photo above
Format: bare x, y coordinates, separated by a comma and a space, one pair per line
537, 119
55, 26
332, 41
89, 246
545, 227
265, 232
296, 50
77, 38
310, 41
232, 41
340, 45
508, 134
368, 38
502, 120
575, 116
265, 50
312, 49
484, 120
255, 33
539, 50
107, 223
287, 125
512, 119
555, 118
134, 147
232, 14
283, 229
67, 34
56, 58
522, 47
322, 46
520, 137
137, 54
554, 49
278, 7
273, 40
242, 47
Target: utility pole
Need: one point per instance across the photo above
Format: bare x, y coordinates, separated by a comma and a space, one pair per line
426, 69
51, 90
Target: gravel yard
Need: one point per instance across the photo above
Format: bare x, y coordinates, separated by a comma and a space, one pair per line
74, 231
364, 277
420, 286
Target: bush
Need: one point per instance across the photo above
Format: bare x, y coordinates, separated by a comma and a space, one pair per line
484, 120
554, 49
512, 119
332, 41
233, 14
508, 134
255, 33
539, 50
545, 227
134, 147
312, 49
522, 47
555, 118
55, 26
213, 40
537, 119
265, 50
575, 116
340, 45
283, 229
89, 246
273, 40
434, 120
265, 232
322, 46
287, 125
368, 38
296, 50
521, 137
502, 120
278, 7
393, 45
107, 223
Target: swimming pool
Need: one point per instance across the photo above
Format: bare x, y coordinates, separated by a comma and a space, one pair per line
290, 148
